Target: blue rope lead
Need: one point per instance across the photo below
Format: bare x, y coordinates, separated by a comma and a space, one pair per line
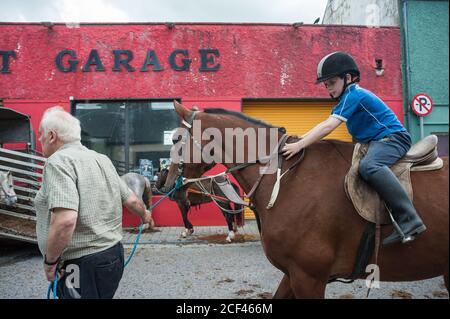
52, 286
136, 242
178, 185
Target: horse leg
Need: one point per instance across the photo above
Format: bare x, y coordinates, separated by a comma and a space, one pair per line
306, 286
184, 209
284, 290
237, 217
237, 207
229, 219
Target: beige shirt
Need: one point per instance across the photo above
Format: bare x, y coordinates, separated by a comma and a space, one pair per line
83, 180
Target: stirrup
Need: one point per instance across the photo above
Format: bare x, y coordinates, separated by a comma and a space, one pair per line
411, 237
407, 239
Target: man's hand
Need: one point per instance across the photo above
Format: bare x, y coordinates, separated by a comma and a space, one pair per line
50, 272
136, 206
148, 219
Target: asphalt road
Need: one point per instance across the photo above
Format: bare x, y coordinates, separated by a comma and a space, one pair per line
233, 271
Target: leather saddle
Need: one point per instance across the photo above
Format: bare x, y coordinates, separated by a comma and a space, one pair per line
422, 156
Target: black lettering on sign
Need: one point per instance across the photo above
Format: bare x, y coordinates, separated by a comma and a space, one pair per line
179, 60
5, 60
72, 62
207, 58
151, 59
185, 62
118, 60
93, 59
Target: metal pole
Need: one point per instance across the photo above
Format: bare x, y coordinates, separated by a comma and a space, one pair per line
409, 116
126, 138
421, 127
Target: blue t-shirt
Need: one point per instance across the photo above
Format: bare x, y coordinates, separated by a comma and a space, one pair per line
367, 117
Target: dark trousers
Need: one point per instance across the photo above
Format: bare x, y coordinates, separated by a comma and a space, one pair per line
95, 276
385, 152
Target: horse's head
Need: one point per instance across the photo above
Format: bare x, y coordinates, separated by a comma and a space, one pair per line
187, 159
161, 178
220, 136
7, 188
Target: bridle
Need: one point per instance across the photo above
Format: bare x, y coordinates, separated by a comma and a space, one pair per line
188, 124
181, 180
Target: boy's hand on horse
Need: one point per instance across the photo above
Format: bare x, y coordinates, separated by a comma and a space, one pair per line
290, 149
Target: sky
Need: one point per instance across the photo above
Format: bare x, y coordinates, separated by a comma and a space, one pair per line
247, 11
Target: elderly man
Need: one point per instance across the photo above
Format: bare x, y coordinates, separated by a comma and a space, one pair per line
79, 212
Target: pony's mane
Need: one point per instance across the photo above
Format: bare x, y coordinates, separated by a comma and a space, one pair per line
244, 117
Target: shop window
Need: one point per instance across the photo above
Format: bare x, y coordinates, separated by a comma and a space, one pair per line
135, 135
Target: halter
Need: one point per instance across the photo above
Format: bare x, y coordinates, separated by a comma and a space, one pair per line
184, 138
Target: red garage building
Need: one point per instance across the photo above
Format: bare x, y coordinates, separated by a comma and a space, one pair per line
120, 80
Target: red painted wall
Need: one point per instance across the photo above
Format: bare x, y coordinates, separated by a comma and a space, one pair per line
256, 61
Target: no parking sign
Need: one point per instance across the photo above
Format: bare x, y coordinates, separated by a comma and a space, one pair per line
422, 104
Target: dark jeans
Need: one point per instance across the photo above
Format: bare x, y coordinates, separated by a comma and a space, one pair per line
95, 276
385, 152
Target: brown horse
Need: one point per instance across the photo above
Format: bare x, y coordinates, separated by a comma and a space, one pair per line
195, 196
313, 231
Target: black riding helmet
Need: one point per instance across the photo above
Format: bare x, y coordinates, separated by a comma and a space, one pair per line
336, 64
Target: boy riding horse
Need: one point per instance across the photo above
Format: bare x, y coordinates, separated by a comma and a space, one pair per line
369, 120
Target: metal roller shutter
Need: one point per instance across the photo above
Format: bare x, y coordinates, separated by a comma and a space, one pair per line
297, 117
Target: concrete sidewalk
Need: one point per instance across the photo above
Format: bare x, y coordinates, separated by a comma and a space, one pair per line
202, 235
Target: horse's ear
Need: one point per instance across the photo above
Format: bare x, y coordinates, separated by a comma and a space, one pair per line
182, 111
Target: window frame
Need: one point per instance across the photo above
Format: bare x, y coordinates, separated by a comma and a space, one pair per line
74, 102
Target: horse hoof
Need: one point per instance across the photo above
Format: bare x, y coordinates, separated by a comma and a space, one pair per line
186, 232
228, 239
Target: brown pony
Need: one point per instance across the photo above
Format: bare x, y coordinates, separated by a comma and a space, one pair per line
313, 231
195, 196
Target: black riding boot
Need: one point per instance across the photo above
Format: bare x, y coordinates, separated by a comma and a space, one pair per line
392, 192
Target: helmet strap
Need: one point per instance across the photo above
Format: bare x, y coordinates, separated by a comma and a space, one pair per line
346, 84
343, 89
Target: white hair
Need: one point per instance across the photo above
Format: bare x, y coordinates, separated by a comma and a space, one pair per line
66, 126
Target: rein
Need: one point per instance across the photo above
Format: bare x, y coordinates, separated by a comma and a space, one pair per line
216, 201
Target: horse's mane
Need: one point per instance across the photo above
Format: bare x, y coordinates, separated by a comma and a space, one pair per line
243, 117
